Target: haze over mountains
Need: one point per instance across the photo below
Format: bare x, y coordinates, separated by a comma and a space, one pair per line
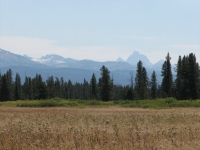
54, 60
75, 70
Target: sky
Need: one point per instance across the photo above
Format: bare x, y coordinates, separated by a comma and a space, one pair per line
101, 30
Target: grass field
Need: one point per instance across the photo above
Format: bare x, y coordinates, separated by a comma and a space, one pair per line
57, 102
89, 128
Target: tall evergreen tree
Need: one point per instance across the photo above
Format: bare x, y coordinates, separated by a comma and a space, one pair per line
193, 76
145, 81
57, 87
184, 79
65, 94
179, 78
141, 82
105, 84
78, 91
17, 88
93, 84
86, 90
50, 87
153, 86
28, 88
167, 81
62, 88
187, 81
9, 82
70, 89
4, 93
39, 88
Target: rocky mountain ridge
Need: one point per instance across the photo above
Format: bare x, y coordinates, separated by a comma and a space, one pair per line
75, 70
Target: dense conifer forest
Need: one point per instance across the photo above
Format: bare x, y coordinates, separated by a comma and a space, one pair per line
186, 85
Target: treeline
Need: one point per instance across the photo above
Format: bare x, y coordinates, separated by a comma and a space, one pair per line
185, 86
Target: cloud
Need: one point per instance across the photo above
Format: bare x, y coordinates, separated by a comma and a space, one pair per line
36, 47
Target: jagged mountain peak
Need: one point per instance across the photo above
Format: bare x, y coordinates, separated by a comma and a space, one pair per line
120, 59
136, 56
52, 56
136, 53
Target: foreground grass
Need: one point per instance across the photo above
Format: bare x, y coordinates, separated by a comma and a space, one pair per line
99, 128
57, 102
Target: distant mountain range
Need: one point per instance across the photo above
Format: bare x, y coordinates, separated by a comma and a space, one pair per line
75, 70
54, 60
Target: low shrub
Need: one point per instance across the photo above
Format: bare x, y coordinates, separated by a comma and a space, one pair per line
57, 102
170, 100
71, 103
40, 103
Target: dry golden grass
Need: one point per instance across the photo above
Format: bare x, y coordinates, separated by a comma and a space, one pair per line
99, 128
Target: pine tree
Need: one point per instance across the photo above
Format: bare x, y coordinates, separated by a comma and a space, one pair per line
167, 81
182, 84
153, 86
187, 82
86, 90
93, 84
141, 82
17, 88
57, 87
9, 82
28, 88
78, 90
4, 93
105, 84
62, 88
65, 94
39, 88
179, 78
145, 83
193, 77
50, 87
184, 79
70, 89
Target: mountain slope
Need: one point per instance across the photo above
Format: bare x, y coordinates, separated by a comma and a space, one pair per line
54, 60
10, 59
136, 56
120, 60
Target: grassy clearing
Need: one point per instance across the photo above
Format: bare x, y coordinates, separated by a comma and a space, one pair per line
99, 128
57, 102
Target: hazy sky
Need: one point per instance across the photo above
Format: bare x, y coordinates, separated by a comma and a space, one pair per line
101, 29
